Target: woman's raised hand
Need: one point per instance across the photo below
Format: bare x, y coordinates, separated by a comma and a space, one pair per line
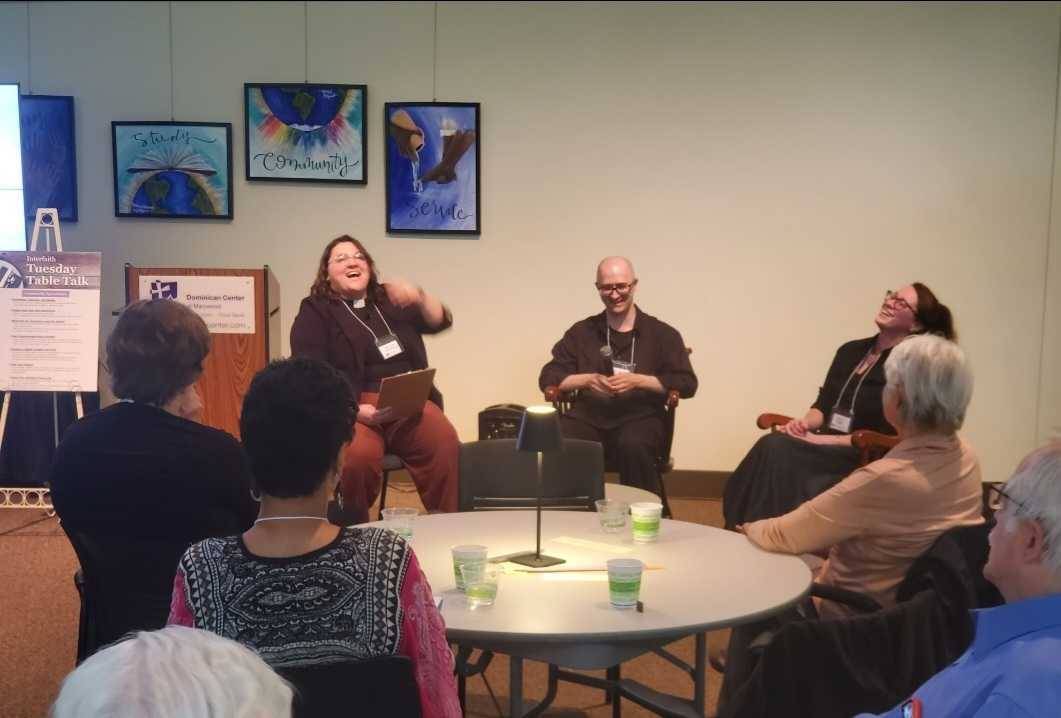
402, 293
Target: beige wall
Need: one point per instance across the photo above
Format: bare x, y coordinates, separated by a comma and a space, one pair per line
771, 170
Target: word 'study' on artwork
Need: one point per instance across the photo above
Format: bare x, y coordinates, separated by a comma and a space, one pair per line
305, 132
172, 170
432, 167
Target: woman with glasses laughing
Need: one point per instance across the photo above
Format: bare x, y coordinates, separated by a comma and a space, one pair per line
810, 454
370, 330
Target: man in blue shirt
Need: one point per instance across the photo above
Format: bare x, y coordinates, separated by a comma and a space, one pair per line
1013, 667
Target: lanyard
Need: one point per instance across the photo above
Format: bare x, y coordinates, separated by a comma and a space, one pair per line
367, 327
633, 342
857, 386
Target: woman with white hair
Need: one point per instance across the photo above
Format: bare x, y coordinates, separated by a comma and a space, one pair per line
880, 518
175, 672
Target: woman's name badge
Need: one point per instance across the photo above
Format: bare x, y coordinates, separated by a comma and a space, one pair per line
622, 367
389, 346
839, 421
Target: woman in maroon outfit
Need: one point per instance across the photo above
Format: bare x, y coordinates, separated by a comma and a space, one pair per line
368, 331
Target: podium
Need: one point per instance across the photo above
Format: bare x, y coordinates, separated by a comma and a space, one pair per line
234, 358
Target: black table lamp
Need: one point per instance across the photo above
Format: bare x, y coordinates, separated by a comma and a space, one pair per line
539, 432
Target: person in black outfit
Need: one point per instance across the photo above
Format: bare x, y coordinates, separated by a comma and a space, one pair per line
811, 454
140, 481
622, 363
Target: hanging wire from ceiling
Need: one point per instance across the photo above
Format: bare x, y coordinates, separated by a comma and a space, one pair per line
171, 73
434, 58
29, 55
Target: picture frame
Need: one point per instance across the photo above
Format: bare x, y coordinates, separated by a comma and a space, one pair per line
49, 154
305, 132
432, 167
172, 170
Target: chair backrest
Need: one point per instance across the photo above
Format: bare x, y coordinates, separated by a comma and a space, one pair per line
494, 475
382, 686
958, 556
126, 585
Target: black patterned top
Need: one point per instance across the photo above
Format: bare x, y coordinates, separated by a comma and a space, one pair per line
340, 602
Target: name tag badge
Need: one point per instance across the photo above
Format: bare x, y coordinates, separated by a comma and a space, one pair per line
839, 421
389, 346
622, 367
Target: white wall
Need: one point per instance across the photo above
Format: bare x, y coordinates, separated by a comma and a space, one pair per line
770, 168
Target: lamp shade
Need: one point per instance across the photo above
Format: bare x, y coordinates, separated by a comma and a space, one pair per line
540, 429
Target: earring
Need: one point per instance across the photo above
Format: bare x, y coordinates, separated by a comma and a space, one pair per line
339, 496
256, 496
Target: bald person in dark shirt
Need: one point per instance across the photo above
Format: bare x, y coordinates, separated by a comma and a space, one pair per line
620, 364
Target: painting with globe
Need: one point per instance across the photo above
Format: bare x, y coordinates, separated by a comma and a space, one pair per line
302, 132
172, 169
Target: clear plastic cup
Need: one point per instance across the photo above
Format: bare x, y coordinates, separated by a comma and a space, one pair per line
624, 582
480, 582
466, 554
400, 521
612, 515
645, 518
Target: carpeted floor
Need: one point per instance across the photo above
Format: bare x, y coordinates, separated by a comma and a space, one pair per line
39, 614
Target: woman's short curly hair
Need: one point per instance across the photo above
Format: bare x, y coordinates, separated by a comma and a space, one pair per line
296, 415
156, 350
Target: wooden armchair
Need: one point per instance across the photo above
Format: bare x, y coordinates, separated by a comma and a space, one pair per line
664, 463
871, 444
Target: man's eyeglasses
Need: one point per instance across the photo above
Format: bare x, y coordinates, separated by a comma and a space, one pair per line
621, 287
344, 257
995, 494
890, 296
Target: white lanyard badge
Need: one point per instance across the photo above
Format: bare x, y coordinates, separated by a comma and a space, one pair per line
388, 345
621, 367
839, 420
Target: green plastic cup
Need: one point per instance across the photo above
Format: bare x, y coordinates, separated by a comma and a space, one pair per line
645, 518
400, 521
624, 582
466, 554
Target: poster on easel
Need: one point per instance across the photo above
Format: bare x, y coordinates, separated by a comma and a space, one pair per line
49, 318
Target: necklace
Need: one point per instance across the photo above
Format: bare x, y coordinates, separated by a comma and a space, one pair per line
289, 518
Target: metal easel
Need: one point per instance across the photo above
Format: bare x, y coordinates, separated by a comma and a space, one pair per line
29, 497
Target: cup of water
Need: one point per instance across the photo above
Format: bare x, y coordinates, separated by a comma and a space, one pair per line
480, 582
646, 516
400, 521
612, 515
466, 554
624, 582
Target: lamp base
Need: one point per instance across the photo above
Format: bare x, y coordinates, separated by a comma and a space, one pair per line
535, 561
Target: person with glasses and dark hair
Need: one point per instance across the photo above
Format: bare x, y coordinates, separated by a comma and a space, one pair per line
1013, 666
297, 589
370, 330
810, 454
622, 363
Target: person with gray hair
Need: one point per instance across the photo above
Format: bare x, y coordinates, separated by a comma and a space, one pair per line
175, 672
1013, 666
879, 519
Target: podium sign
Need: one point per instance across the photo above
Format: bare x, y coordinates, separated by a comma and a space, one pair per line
49, 318
226, 304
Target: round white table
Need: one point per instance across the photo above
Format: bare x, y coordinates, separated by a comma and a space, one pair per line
700, 578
